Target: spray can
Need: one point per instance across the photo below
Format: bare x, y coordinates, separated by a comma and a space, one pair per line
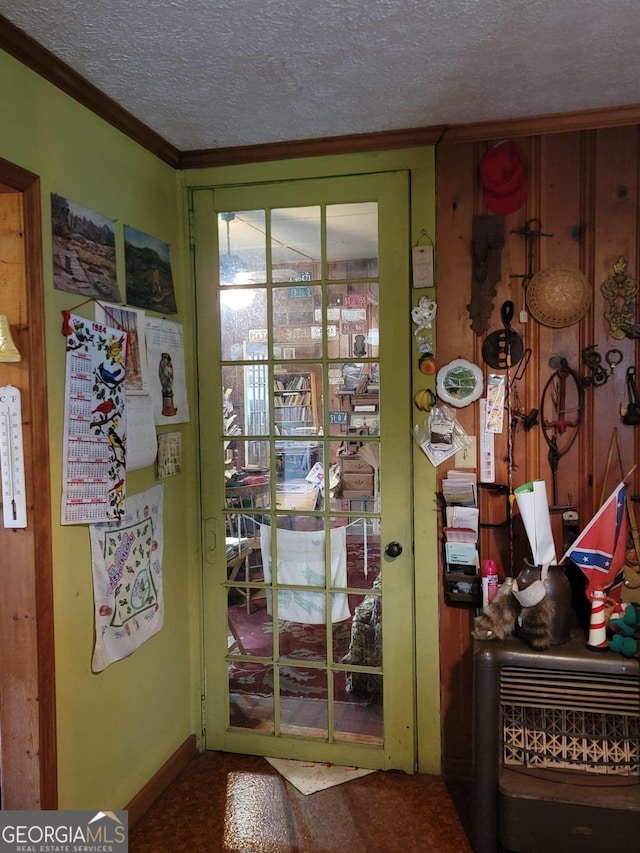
489, 581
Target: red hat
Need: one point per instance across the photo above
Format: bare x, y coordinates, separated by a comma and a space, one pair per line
503, 178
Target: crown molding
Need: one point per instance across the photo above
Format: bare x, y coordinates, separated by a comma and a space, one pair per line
539, 125
414, 137
25, 49
356, 143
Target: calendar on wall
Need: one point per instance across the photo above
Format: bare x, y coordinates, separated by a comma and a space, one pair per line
95, 425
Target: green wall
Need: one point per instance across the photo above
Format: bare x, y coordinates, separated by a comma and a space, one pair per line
116, 728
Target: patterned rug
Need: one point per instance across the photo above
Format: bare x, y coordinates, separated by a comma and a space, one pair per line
299, 642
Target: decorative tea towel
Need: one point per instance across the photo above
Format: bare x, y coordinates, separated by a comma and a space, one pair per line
127, 578
300, 561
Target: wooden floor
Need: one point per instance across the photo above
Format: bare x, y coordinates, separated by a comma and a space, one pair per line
240, 804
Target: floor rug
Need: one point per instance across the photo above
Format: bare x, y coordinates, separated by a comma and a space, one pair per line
311, 776
299, 642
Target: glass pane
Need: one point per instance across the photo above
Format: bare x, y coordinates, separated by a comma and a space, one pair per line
354, 398
352, 240
251, 695
250, 627
243, 323
297, 399
356, 720
295, 244
303, 702
247, 492
246, 463
354, 474
295, 460
245, 408
301, 640
242, 246
354, 309
297, 322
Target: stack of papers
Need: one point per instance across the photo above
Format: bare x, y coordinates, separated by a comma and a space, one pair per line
460, 493
460, 488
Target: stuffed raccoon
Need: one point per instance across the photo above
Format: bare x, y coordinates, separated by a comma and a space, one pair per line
512, 612
498, 619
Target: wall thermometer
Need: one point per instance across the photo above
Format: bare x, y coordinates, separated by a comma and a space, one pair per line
14, 504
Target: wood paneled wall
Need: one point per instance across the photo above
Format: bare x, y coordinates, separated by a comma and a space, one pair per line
583, 187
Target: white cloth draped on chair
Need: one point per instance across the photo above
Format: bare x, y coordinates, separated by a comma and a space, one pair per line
300, 556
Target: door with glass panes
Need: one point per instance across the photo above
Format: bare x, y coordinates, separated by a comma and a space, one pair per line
303, 330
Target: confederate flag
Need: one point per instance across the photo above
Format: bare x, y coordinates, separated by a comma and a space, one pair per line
600, 549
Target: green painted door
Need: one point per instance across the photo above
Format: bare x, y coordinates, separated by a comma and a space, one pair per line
303, 323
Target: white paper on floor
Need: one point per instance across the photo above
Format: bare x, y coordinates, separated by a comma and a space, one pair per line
311, 776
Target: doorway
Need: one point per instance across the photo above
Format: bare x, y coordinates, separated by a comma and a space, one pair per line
27, 678
303, 348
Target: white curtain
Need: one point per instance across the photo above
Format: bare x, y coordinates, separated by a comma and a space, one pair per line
300, 556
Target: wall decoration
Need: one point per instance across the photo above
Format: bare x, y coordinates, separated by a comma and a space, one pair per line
165, 355
169, 461
149, 278
460, 382
84, 251
620, 290
127, 578
95, 426
560, 296
130, 320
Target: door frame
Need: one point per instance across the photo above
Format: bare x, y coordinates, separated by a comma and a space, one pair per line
400, 718
28, 748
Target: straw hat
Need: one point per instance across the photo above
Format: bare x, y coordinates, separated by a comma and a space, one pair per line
559, 296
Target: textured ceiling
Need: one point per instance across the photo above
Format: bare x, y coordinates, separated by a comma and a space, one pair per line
206, 74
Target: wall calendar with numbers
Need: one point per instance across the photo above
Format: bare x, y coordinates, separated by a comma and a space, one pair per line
95, 425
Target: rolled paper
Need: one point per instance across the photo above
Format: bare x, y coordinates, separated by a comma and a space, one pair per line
534, 510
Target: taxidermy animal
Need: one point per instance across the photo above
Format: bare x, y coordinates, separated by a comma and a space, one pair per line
498, 619
506, 616
535, 624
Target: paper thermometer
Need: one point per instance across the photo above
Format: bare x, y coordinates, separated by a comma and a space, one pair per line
14, 504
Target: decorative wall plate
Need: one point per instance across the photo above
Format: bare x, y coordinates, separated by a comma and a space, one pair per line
460, 382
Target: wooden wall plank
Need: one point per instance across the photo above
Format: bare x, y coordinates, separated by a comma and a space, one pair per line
456, 166
615, 229
584, 190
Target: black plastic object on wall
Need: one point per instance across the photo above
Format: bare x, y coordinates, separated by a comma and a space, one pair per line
503, 348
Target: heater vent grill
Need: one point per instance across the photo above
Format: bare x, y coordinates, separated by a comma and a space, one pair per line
570, 720
585, 691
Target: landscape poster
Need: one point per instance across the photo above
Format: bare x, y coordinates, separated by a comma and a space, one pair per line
84, 251
148, 266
